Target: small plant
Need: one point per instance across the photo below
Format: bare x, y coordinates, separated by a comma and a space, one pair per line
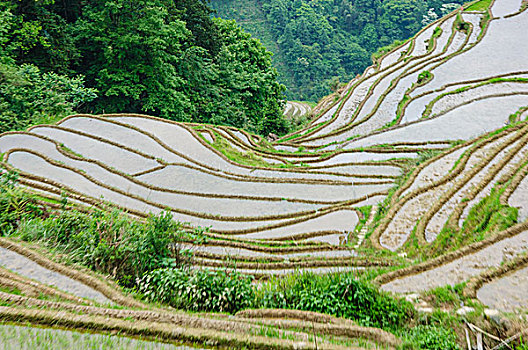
15, 204
446, 295
431, 338
424, 77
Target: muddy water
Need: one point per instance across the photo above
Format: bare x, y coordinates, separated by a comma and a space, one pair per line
507, 293
461, 269
30, 269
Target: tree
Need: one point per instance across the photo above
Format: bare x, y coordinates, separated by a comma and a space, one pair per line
131, 51
244, 69
27, 96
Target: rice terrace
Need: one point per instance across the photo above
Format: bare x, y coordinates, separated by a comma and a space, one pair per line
396, 217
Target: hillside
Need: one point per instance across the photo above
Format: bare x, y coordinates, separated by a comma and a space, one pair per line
317, 44
397, 218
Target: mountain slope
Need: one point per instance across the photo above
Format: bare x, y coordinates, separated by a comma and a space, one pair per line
318, 43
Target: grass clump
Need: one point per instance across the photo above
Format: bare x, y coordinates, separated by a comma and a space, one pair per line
428, 337
446, 296
245, 158
15, 204
424, 77
487, 217
386, 49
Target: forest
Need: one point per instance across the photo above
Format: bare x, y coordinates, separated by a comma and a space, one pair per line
167, 58
179, 60
320, 43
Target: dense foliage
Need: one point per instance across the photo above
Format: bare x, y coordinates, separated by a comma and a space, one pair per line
317, 42
340, 294
28, 96
168, 58
199, 290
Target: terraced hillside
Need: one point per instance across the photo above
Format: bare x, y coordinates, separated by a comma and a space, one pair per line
424, 155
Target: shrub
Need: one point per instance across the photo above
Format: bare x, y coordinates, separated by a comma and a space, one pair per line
337, 294
108, 242
15, 204
198, 290
112, 243
28, 96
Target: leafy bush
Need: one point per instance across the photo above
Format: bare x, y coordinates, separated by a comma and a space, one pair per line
108, 242
113, 243
27, 95
15, 205
339, 294
198, 290
431, 338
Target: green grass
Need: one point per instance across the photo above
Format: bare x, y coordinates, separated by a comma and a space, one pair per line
446, 295
485, 218
17, 337
70, 151
386, 49
245, 158
480, 6
338, 294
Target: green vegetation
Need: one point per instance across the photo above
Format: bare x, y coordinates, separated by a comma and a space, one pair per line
424, 77
487, 217
29, 96
16, 337
386, 49
108, 242
340, 294
316, 42
432, 338
446, 295
479, 6
246, 158
198, 290
168, 58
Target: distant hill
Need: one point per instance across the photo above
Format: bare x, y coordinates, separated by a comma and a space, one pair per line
320, 42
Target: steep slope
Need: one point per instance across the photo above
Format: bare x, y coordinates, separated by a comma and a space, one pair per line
318, 43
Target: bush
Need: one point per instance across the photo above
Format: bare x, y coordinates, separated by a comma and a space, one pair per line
114, 244
15, 205
198, 290
337, 294
28, 96
108, 242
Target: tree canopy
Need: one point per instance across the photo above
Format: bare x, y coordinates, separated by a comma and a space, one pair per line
319, 41
168, 58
